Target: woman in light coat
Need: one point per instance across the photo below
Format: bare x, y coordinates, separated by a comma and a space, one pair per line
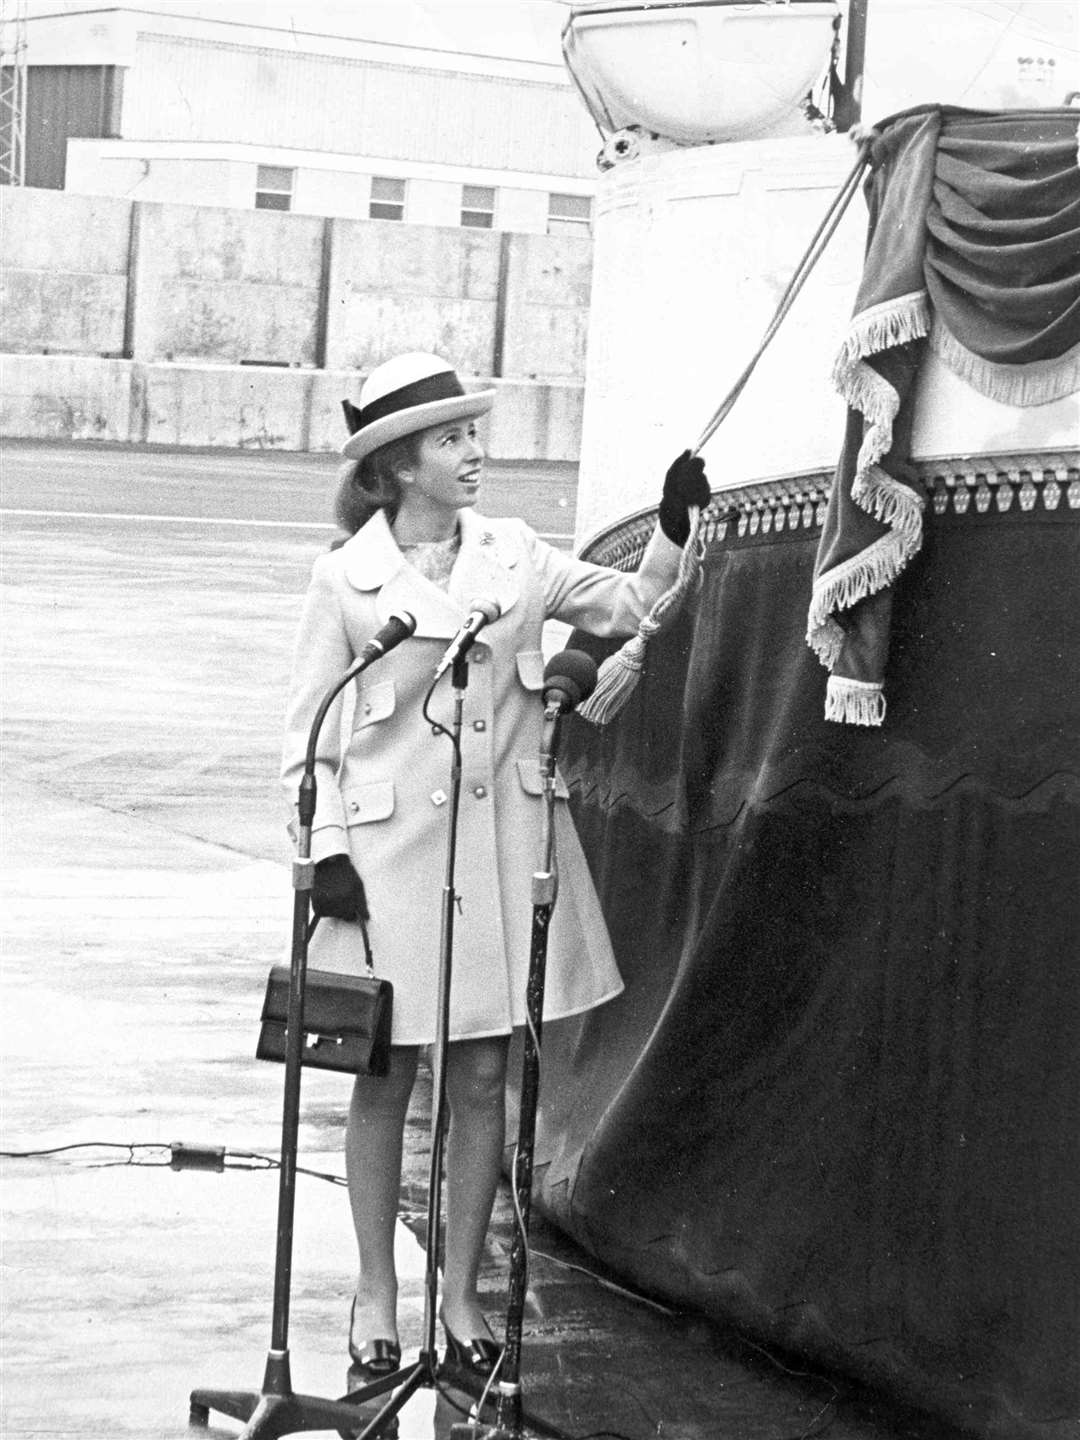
418, 545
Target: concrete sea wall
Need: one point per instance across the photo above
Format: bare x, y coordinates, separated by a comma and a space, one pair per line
199, 325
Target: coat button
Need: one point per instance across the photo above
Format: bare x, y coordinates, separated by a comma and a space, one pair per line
479, 724
480, 791
354, 806
479, 657
438, 797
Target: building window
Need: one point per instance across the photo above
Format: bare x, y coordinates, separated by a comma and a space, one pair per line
478, 206
387, 198
274, 187
569, 214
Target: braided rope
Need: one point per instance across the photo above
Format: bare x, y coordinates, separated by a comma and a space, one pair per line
620, 673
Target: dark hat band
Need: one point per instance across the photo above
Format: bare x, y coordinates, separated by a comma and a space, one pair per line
443, 386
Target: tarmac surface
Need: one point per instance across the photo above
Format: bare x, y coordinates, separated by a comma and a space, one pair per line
148, 606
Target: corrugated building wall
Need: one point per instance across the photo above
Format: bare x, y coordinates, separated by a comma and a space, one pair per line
190, 89
64, 101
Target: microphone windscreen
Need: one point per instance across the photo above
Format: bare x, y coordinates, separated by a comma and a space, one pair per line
398, 628
573, 672
405, 620
486, 606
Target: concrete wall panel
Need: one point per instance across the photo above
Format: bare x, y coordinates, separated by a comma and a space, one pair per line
76, 314
195, 321
234, 406
52, 231
419, 259
531, 421
63, 283
66, 397
401, 287
548, 279
227, 285
326, 423
371, 327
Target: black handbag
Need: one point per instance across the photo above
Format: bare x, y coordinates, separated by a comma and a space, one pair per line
347, 1019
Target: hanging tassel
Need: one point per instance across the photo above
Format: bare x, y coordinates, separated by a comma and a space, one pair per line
620, 673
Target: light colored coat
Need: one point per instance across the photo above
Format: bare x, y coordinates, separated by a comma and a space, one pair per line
382, 797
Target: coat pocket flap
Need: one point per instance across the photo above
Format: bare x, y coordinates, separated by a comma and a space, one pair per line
364, 803
532, 783
374, 703
530, 668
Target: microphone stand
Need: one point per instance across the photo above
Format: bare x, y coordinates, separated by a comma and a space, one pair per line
276, 1409
459, 677
509, 1414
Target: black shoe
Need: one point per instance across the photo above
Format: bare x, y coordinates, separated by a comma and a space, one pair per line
479, 1355
375, 1358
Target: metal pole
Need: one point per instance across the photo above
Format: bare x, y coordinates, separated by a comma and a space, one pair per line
545, 884
848, 107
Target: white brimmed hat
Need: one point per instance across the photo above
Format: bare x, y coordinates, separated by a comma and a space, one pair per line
409, 393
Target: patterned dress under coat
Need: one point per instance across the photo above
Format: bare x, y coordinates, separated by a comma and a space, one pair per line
383, 776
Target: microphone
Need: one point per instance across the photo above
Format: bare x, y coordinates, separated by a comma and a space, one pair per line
569, 678
481, 612
399, 627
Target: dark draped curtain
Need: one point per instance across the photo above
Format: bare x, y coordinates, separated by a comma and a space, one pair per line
838, 1104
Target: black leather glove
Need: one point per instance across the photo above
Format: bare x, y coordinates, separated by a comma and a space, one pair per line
338, 891
684, 485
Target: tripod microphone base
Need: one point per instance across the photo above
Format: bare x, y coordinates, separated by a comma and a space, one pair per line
271, 1416
276, 1411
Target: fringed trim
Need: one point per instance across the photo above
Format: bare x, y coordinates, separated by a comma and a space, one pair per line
853, 702
826, 639
893, 322
1037, 383
882, 326
879, 402
620, 673
843, 586
893, 503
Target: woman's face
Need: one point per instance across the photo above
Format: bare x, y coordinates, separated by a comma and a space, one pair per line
446, 476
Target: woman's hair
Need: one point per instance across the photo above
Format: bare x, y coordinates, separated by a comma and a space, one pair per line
373, 483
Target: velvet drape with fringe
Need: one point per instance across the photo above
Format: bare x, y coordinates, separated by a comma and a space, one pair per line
973, 248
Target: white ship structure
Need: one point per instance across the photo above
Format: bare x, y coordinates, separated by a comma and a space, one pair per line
835, 827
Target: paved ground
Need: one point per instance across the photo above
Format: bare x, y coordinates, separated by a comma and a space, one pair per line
148, 602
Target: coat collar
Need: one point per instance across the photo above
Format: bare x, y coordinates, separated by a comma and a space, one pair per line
486, 568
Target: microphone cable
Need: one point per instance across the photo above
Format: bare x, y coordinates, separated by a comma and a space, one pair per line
174, 1155
437, 727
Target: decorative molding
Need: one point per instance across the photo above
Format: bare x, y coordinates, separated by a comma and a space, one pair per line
954, 485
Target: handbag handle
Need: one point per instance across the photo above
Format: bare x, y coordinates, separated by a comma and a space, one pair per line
369, 959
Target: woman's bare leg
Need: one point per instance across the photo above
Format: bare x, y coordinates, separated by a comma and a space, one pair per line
476, 1099
373, 1149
